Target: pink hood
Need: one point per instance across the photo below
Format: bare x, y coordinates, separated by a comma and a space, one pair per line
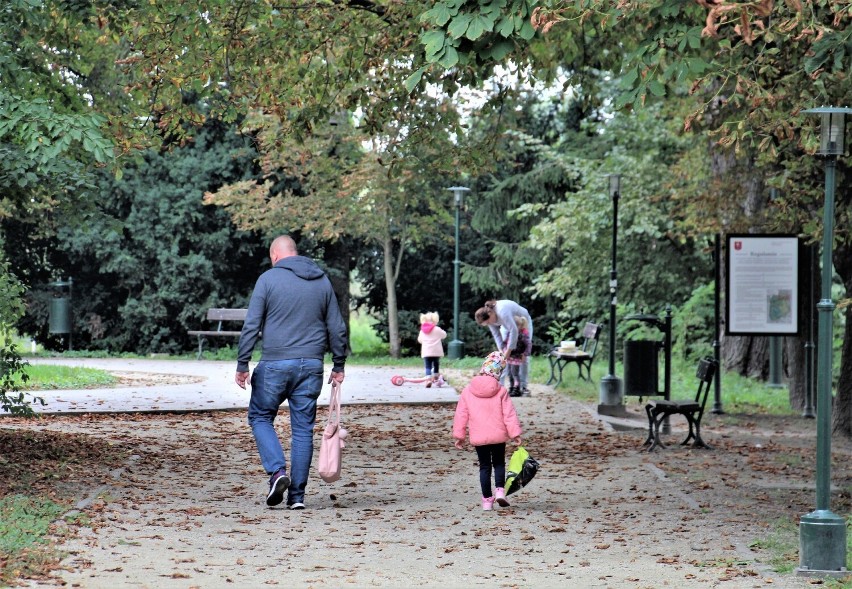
486, 411
427, 327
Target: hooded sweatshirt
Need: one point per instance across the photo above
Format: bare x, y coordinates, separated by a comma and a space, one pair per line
430, 336
486, 410
295, 308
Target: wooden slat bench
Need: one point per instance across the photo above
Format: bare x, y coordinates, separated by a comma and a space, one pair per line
219, 316
583, 357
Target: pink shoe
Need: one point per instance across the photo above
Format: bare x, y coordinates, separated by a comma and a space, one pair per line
500, 497
487, 503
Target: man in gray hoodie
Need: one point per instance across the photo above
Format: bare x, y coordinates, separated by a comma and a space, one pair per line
295, 308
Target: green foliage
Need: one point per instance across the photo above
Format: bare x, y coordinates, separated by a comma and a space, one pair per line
463, 33
573, 238
52, 108
363, 339
693, 326
12, 366
154, 258
25, 525
12, 375
558, 331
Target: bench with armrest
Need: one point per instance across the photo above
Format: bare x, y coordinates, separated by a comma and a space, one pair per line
220, 316
582, 356
692, 409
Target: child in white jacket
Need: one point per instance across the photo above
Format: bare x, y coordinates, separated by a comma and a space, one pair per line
431, 348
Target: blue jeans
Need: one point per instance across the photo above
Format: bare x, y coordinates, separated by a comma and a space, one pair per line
298, 382
432, 364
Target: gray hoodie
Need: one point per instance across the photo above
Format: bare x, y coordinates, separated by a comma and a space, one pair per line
295, 308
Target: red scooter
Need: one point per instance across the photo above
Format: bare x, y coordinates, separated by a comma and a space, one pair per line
400, 380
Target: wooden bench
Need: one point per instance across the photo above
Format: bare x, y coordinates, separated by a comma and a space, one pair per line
219, 316
692, 409
583, 357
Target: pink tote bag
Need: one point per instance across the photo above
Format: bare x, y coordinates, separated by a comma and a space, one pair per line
331, 448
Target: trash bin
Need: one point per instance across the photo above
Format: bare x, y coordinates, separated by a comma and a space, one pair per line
60, 315
59, 320
641, 368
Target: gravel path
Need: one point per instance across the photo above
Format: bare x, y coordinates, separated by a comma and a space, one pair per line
187, 510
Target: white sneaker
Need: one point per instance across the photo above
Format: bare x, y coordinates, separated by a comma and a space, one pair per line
296, 505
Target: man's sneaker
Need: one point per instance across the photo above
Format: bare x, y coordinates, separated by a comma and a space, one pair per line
487, 503
296, 505
278, 483
525, 392
500, 497
514, 392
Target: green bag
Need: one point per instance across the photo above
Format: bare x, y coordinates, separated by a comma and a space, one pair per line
521, 470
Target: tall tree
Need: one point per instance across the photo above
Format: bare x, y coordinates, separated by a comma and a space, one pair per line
154, 258
749, 69
526, 179
345, 190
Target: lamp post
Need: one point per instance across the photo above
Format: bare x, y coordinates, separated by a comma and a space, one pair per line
822, 534
808, 411
610, 387
455, 349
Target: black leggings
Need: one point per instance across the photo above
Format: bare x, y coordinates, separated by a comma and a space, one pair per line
491, 455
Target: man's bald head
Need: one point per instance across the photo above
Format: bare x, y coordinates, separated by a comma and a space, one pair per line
282, 246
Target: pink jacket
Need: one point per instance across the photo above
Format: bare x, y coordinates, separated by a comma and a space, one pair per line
430, 336
487, 411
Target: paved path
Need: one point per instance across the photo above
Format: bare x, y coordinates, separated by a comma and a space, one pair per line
210, 385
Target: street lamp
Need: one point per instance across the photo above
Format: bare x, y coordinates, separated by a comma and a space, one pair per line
822, 534
455, 349
610, 387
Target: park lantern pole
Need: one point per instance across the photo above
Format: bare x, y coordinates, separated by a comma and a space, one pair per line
455, 349
610, 387
822, 534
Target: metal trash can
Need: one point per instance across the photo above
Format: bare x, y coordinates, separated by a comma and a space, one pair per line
60, 315
641, 368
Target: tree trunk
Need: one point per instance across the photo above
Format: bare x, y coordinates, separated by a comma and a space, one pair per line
794, 352
795, 368
339, 262
746, 355
842, 418
393, 312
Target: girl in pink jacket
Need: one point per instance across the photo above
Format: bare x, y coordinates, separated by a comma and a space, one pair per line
487, 412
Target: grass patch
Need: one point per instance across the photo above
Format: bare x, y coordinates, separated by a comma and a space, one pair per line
26, 529
739, 394
51, 376
782, 544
